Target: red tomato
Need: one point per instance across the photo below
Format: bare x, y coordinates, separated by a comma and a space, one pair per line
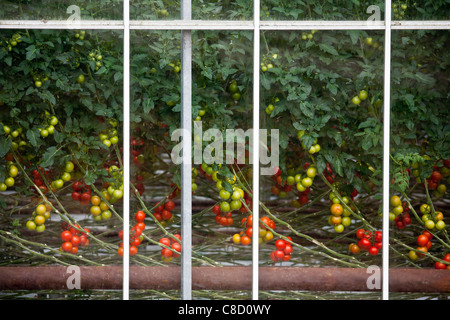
67, 246
280, 244
66, 236
75, 240
140, 216
422, 240
169, 205
133, 250
165, 241
373, 251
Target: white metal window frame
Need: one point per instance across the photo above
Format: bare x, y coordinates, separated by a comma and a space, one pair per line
186, 25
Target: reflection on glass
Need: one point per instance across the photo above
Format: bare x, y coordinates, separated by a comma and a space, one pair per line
420, 10
201, 10
61, 10
327, 10
60, 167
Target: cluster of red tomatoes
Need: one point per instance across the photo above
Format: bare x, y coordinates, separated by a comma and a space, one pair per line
283, 250
135, 234
163, 212
245, 236
222, 218
81, 192
441, 265
368, 241
73, 238
171, 248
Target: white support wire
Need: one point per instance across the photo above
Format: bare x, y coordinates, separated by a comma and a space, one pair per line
386, 151
256, 147
186, 168
126, 149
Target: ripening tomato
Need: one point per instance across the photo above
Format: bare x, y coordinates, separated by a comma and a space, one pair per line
245, 240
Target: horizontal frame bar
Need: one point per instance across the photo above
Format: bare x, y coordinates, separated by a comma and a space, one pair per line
222, 25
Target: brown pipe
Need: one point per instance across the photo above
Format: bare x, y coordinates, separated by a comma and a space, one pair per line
224, 278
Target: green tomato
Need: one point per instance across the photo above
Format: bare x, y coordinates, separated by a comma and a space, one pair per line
114, 139
311, 172
66, 176
107, 142
9, 182
118, 194
54, 121
31, 225
225, 206
13, 171
235, 205
80, 79
429, 224
236, 195
224, 194
339, 228
440, 225
363, 95
106, 214
356, 101
58, 183
290, 180
3, 187
307, 182
44, 133
300, 187
69, 166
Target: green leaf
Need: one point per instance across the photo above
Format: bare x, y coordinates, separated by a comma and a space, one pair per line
33, 137
5, 145
48, 158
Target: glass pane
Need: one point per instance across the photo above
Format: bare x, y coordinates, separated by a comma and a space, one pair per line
58, 98
61, 10
155, 113
326, 10
420, 10
420, 146
201, 10
321, 105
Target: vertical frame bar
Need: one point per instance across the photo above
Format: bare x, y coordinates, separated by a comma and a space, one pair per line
386, 148
255, 203
186, 169
126, 147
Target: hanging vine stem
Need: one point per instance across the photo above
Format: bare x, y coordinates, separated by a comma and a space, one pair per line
66, 216
356, 215
20, 242
319, 244
446, 244
311, 239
